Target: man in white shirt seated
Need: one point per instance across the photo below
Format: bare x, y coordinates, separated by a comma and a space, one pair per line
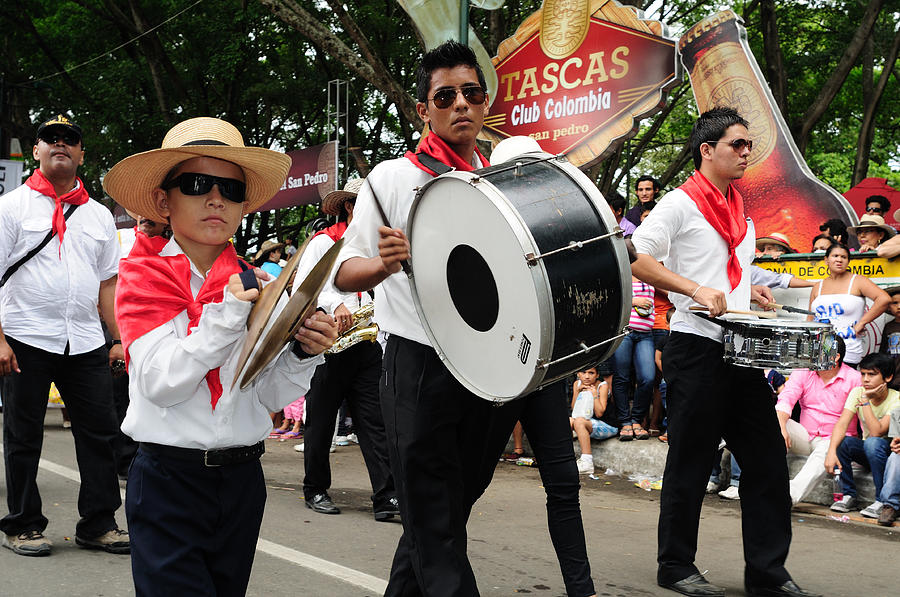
51, 333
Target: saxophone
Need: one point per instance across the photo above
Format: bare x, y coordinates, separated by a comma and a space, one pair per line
363, 329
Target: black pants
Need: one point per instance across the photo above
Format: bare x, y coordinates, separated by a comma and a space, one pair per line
193, 528
545, 419
352, 374
437, 436
85, 385
708, 399
124, 447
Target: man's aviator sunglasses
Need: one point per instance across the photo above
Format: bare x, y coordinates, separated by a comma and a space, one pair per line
737, 144
192, 183
68, 137
444, 98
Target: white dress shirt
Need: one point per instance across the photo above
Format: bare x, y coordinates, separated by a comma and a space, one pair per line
170, 399
52, 299
395, 182
676, 233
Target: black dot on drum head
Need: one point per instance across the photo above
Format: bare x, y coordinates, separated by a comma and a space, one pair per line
472, 288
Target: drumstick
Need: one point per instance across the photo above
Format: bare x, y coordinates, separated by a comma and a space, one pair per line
790, 309
403, 264
760, 314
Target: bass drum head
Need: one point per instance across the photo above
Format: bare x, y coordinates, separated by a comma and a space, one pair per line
488, 315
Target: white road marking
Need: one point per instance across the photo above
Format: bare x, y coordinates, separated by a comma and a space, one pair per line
305, 560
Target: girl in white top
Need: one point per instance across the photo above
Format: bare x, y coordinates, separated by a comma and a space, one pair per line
841, 299
586, 391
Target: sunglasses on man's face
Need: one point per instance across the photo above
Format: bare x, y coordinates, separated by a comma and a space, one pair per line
193, 183
445, 98
874, 210
68, 137
737, 144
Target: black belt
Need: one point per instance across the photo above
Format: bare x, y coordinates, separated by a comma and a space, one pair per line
217, 457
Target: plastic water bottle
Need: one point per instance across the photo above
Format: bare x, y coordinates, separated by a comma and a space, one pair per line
838, 489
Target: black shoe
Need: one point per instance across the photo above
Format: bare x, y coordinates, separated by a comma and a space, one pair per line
388, 511
788, 589
321, 503
695, 585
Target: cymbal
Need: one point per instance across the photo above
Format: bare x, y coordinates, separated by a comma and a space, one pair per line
301, 305
264, 306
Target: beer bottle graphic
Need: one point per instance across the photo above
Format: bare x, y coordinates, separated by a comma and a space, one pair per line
780, 193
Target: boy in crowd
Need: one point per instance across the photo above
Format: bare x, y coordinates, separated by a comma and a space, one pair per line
871, 403
890, 492
890, 335
196, 491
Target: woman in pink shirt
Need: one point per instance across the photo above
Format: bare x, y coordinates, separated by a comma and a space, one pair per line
637, 348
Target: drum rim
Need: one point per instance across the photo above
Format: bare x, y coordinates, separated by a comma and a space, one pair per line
542, 284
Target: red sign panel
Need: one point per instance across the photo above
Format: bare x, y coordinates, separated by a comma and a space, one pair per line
563, 103
313, 174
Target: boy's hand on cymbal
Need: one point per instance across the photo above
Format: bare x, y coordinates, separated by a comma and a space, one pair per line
236, 286
318, 333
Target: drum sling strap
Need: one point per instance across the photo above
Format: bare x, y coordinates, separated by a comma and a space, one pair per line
433, 164
15, 266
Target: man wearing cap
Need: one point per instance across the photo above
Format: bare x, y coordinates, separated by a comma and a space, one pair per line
871, 232
773, 245
351, 374
51, 333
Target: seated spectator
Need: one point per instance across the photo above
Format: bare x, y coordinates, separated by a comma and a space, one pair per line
871, 232
732, 492
268, 257
635, 353
820, 243
618, 205
836, 229
774, 245
871, 403
821, 395
645, 209
585, 391
647, 190
289, 248
890, 335
877, 205
890, 492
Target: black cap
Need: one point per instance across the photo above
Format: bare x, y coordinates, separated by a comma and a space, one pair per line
61, 121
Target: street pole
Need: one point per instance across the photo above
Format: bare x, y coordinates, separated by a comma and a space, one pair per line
464, 22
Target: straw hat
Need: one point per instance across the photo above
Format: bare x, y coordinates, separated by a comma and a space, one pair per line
331, 203
131, 181
873, 221
776, 238
267, 247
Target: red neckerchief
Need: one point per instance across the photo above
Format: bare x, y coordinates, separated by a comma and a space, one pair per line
725, 215
77, 196
153, 289
335, 231
439, 150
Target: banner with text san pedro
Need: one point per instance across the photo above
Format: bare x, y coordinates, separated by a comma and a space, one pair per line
577, 76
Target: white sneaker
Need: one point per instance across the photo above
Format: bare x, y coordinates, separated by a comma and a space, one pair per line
342, 440
872, 510
333, 447
351, 437
847, 503
299, 447
730, 493
712, 487
585, 466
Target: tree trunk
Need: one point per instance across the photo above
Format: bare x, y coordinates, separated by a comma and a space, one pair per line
775, 72
803, 128
676, 166
867, 128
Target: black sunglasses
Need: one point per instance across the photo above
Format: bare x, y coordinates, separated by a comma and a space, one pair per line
193, 183
68, 137
874, 210
737, 144
444, 98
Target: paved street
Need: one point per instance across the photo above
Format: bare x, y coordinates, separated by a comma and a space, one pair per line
304, 553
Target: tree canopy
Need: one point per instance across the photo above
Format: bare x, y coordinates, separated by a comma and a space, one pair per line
126, 71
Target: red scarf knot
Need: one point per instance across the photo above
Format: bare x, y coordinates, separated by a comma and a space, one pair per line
439, 150
724, 213
77, 196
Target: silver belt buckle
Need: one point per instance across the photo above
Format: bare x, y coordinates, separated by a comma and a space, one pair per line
206, 460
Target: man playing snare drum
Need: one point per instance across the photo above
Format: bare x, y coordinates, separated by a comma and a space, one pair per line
702, 235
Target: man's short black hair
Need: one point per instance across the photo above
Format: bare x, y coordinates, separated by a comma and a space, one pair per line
617, 203
819, 237
645, 178
647, 206
881, 200
836, 228
883, 363
711, 126
447, 55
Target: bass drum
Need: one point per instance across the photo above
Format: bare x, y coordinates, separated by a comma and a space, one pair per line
520, 274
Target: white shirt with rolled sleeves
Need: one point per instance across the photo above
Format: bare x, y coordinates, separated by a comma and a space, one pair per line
676, 233
330, 298
395, 183
170, 399
52, 299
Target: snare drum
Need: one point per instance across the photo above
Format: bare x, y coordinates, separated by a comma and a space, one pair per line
519, 274
781, 343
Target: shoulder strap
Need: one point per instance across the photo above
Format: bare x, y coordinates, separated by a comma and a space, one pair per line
433, 164
850, 287
14, 267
